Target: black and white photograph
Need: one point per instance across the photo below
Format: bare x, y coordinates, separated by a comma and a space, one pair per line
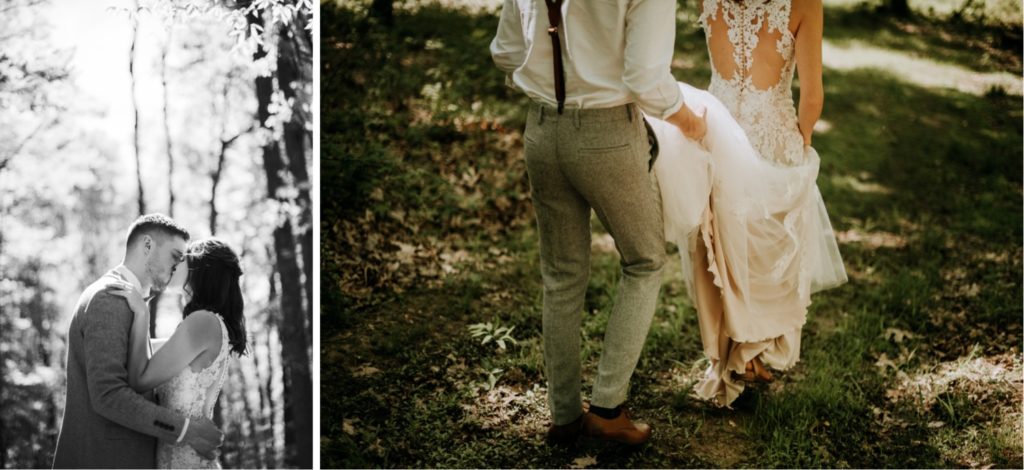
156, 234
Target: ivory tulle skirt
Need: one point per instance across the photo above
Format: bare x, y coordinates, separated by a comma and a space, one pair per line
755, 243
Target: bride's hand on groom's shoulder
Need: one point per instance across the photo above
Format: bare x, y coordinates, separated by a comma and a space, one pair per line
128, 292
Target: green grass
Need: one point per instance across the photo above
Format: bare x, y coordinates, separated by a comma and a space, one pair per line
428, 229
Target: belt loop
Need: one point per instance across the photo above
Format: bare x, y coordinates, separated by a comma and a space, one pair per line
540, 114
629, 112
576, 117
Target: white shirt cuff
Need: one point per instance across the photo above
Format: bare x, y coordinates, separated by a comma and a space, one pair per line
675, 107
184, 429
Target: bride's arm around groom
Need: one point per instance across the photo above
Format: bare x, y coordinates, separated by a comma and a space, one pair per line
197, 334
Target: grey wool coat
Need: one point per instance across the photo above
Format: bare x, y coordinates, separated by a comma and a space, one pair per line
107, 424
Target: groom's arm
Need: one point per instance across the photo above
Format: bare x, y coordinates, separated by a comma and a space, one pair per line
647, 72
508, 48
106, 329
650, 43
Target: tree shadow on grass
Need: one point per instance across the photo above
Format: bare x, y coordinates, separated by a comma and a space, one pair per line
975, 46
922, 185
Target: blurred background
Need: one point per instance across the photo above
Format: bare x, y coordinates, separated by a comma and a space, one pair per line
430, 319
198, 109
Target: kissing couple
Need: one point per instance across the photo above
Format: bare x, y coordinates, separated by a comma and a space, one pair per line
132, 402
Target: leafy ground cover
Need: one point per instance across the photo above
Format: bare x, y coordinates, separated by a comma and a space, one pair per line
430, 257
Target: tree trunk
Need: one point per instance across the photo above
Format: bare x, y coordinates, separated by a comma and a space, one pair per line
270, 406
384, 10
294, 349
215, 177
155, 301
259, 426
3, 431
167, 129
135, 111
899, 8
292, 70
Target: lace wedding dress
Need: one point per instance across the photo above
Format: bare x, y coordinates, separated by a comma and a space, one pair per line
193, 394
752, 229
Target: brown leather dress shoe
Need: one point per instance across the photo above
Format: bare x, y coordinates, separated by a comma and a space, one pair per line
565, 435
619, 429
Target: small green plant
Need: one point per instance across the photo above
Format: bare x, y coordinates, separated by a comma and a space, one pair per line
488, 332
493, 375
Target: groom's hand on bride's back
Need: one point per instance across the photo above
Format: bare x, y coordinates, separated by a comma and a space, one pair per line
204, 436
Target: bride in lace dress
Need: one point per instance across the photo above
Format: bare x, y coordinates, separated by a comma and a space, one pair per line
188, 371
743, 206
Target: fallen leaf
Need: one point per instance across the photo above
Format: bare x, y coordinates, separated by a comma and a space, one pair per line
365, 371
347, 427
583, 462
897, 334
406, 251
936, 424
884, 361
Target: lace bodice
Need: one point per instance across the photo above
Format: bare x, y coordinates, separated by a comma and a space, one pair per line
752, 72
194, 394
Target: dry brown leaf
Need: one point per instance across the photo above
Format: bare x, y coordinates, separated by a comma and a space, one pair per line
583, 462
348, 427
884, 361
365, 371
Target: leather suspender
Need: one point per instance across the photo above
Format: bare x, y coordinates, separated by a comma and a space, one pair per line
555, 22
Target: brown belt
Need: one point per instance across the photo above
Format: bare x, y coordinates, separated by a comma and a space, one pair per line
555, 21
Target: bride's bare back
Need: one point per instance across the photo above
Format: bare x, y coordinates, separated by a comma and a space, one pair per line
755, 47
750, 40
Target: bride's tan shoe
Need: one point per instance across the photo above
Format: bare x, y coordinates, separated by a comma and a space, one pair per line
756, 372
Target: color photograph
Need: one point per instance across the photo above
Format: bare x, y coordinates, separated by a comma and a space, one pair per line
665, 234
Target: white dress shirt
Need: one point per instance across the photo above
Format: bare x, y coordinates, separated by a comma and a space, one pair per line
614, 52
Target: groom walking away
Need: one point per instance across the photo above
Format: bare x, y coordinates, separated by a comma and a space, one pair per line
586, 148
107, 424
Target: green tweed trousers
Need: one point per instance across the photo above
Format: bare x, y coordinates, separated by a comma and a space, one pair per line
594, 159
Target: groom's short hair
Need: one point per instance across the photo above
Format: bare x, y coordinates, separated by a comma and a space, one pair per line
154, 223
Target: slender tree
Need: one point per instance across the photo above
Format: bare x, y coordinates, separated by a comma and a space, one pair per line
167, 128
294, 66
899, 8
383, 10
294, 348
155, 301
135, 109
216, 174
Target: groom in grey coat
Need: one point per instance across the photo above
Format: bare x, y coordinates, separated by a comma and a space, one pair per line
107, 424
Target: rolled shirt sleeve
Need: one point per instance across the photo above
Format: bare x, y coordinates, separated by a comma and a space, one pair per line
508, 48
650, 43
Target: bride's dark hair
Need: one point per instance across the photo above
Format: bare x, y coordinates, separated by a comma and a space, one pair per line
213, 272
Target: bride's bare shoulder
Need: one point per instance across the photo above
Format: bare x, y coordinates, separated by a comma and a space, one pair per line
804, 7
802, 10
202, 324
